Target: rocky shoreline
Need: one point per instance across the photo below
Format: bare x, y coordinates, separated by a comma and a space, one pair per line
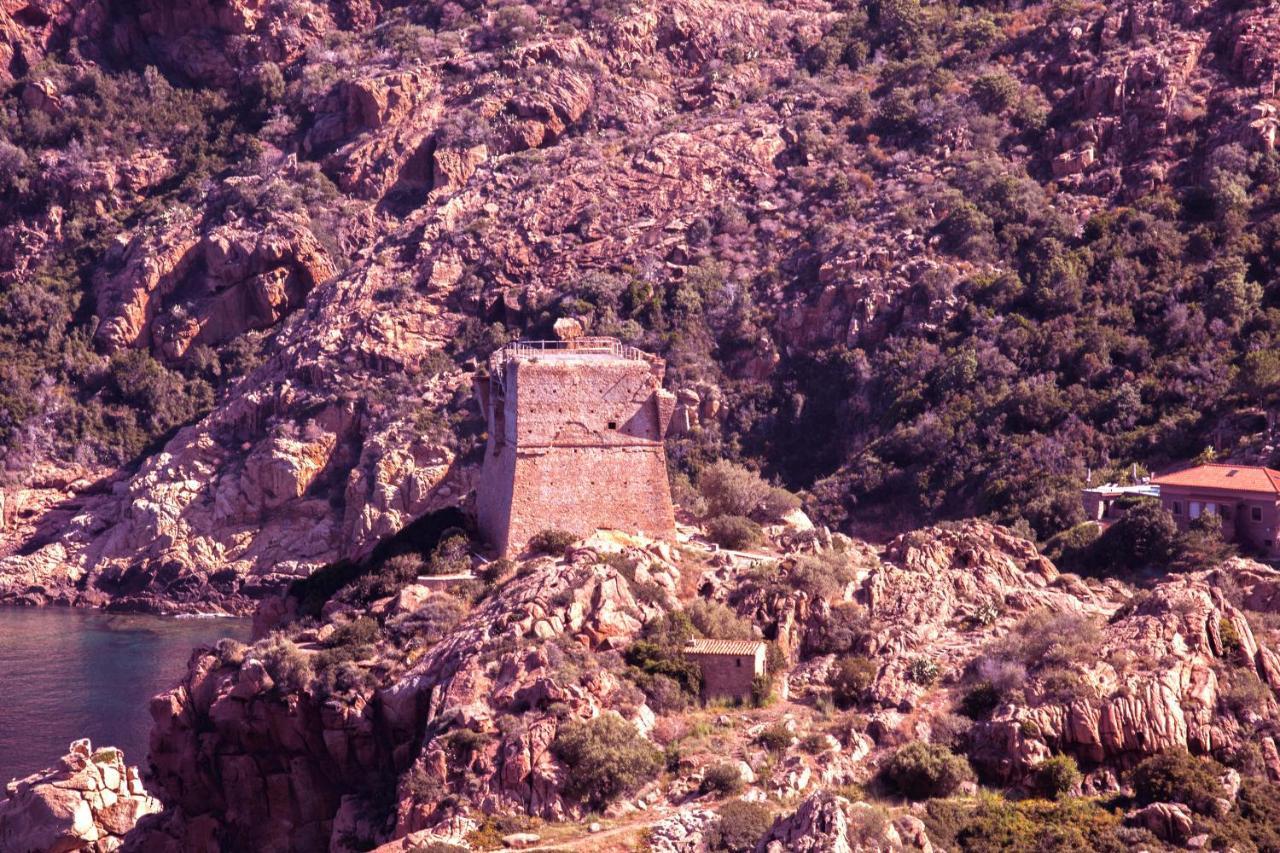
89, 801
256, 748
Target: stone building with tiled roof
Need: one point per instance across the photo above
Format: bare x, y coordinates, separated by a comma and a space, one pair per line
728, 666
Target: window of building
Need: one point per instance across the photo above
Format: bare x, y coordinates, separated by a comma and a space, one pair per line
737, 661
1225, 510
1194, 509
613, 424
1177, 507
1255, 513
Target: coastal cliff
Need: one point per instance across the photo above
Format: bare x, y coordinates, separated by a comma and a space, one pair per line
406, 715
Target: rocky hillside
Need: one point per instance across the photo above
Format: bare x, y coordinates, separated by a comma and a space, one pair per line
917, 259
548, 702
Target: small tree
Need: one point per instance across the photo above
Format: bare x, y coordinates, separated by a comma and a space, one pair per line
731, 489
451, 557
1176, 776
606, 758
1143, 536
922, 770
1202, 546
722, 779
740, 827
851, 679
733, 531
1057, 776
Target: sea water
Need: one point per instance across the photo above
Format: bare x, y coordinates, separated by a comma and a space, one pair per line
67, 674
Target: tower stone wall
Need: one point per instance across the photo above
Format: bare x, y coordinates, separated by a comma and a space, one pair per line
575, 442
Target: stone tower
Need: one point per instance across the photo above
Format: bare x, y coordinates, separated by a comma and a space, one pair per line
575, 442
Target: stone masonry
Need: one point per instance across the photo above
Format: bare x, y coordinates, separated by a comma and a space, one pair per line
728, 666
576, 432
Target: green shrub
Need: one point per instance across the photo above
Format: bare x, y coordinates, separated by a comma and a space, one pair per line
922, 770
288, 666
841, 632
663, 694
922, 671
1202, 546
723, 779
433, 620
952, 731
1057, 776
1071, 549
851, 680
775, 738
716, 621
438, 847
1246, 693
554, 542
733, 531
466, 742
1258, 812
897, 113
761, 690
996, 92
1146, 535
775, 659
730, 489
337, 675
777, 503
451, 557
991, 823
230, 652
496, 571
1176, 776
658, 659
606, 758
980, 700
740, 827
106, 755
1230, 637
402, 569
820, 575
359, 632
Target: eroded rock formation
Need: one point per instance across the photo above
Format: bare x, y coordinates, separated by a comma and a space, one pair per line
89, 801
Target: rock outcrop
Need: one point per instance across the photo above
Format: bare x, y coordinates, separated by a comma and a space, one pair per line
296, 766
832, 824
1159, 680
88, 802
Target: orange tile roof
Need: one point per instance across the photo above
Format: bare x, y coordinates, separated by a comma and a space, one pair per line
722, 647
1244, 478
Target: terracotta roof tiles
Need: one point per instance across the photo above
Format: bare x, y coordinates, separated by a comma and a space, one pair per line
723, 647
1243, 478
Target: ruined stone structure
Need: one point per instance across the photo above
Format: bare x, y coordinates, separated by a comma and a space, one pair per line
575, 442
728, 666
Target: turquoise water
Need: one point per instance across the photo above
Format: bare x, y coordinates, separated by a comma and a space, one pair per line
67, 674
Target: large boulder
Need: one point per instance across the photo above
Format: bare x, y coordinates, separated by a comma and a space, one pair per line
88, 801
